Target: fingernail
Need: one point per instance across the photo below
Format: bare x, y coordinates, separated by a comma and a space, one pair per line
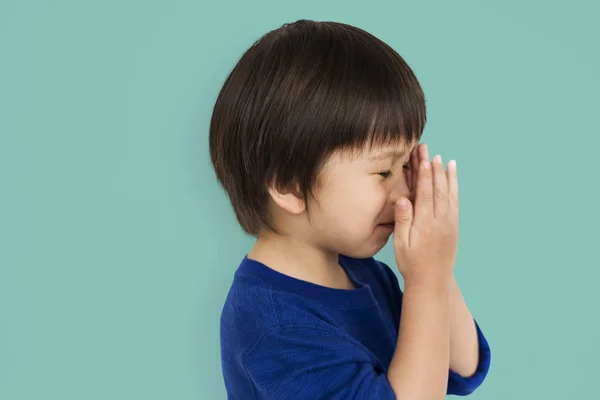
452, 164
426, 164
402, 204
437, 159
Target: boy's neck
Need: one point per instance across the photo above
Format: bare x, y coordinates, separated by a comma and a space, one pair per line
300, 260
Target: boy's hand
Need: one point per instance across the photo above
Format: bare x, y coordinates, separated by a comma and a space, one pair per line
426, 231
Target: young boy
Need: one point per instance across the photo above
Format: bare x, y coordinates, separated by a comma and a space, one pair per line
314, 138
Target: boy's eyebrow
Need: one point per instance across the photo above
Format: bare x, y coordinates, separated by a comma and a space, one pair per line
387, 154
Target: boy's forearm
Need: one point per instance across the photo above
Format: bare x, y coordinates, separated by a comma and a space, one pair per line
464, 344
419, 368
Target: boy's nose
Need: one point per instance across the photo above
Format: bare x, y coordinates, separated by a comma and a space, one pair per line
400, 189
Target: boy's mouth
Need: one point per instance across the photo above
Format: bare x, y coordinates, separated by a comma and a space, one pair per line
387, 225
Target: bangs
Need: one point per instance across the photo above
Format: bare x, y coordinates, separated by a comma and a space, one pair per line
384, 102
337, 88
357, 91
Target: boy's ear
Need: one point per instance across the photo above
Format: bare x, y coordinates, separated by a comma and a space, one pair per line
290, 199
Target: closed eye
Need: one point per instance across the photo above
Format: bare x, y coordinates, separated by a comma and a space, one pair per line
388, 174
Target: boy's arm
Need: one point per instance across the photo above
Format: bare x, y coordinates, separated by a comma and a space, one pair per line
419, 367
461, 382
464, 343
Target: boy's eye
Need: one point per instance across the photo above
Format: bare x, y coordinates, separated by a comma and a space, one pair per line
385, 174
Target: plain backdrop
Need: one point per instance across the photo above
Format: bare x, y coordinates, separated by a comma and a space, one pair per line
117, 246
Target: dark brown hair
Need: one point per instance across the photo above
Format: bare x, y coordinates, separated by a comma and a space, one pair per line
298, 94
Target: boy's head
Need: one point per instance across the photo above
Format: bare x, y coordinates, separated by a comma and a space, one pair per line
300, 131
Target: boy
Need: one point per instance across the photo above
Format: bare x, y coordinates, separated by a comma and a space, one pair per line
314, 138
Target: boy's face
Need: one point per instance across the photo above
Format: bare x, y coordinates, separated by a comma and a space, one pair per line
354, 213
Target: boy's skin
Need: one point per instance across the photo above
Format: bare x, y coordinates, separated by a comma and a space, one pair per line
464, 345
354, 214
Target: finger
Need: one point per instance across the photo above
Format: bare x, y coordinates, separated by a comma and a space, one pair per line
420, 156
423, 152
412, 173
414, 167
408, 173
452, 188
440, 187
424, 194
403, 222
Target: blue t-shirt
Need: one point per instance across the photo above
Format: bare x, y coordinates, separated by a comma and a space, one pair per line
284, 338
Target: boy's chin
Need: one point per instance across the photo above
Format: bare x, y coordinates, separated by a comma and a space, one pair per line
364, 251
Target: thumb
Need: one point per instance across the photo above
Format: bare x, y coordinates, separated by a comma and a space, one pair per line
403, 217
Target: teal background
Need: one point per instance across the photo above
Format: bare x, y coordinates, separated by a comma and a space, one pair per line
118, 246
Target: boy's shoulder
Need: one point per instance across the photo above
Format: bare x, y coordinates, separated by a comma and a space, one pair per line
260, 298
264, 303
249, 303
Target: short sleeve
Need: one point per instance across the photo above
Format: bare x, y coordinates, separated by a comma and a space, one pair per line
298, 363
463, 386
